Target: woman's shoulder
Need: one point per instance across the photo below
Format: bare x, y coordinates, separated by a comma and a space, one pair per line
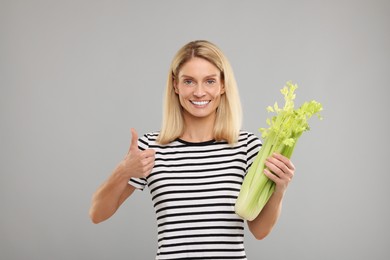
248, 134
151, 135
148, 139
249, 138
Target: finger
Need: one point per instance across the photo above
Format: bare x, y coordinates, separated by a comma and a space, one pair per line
274, 168
147, 165
134, 140
148, 159
281, 162
285, 160
148, 153
270, 175
288, 167
277, 166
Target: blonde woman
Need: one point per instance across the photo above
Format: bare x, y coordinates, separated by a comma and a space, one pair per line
194, 166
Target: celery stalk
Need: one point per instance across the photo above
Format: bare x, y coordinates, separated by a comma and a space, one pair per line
284, 130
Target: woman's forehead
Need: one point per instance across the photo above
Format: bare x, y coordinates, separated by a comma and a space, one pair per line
198, 66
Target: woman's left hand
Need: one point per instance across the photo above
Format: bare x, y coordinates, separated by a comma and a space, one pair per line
280, 170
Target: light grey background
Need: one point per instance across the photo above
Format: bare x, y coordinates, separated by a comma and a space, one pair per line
76, 75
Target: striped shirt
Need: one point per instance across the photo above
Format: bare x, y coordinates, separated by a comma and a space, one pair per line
194, 187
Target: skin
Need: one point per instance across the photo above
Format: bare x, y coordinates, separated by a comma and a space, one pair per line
199, 81
115, 190
199, 88
281, 171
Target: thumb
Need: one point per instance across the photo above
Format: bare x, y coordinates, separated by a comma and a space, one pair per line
134, 140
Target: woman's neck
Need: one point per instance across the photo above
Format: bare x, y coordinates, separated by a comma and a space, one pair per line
198, 131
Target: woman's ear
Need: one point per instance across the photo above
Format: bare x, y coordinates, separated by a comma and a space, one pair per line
174, 83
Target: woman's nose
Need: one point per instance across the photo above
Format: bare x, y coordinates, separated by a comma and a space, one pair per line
199, 91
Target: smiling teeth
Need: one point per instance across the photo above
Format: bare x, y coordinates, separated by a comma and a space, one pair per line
200, 103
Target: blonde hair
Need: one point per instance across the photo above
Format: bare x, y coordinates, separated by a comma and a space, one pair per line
229, 114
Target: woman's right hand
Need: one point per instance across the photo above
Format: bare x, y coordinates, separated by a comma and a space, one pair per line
137, 163
115, 190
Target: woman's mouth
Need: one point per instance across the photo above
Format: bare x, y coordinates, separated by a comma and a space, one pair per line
200, 103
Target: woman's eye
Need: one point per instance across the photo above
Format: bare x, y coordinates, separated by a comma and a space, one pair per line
211, 81
188, 82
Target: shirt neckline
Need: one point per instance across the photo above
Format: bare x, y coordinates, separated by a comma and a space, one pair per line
196, 143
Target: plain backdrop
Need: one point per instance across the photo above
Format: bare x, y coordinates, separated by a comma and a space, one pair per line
76, 75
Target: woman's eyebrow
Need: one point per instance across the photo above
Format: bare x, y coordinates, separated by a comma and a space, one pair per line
212, 76
185, 76
209, 76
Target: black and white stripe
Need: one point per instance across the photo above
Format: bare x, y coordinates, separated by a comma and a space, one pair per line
194, 187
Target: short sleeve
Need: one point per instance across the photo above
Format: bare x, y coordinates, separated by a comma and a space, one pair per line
140, 183
253, 148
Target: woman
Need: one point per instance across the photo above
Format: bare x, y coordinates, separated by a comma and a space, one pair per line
194, 166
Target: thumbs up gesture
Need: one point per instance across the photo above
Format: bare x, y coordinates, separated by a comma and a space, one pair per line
138, 163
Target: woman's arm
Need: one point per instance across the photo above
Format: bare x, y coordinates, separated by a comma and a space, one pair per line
280, 170
109, 196
115, 190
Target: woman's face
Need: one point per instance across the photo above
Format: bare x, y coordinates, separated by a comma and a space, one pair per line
199, 88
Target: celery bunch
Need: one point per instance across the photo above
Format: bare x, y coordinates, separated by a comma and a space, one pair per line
281, 137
